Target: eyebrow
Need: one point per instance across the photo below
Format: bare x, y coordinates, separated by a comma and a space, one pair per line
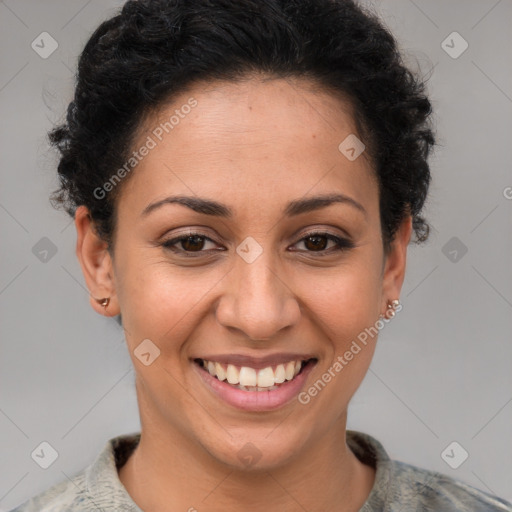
293, 208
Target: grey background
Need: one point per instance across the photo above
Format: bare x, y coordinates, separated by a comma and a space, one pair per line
442, 369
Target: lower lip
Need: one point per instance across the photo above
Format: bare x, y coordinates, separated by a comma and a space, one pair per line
256, 400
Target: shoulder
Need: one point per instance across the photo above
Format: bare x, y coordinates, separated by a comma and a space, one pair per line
75, 496
431, 490
65, 495
97, 487
400, 486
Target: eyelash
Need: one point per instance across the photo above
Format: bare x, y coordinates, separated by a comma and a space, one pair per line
342, 244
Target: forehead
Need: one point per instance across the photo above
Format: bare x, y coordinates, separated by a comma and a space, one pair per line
267, 139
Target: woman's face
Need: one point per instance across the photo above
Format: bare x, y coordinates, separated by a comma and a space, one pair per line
253, 287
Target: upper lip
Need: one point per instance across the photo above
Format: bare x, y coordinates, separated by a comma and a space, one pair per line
256, 362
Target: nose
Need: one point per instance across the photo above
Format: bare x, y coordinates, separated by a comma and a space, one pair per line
257, 301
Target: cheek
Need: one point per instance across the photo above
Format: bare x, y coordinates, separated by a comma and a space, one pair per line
345, 308
160, 301
345, 300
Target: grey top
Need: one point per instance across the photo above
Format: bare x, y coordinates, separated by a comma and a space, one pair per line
398, 486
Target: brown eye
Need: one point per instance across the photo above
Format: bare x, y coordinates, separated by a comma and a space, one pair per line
317, 243
189, 244
192, 243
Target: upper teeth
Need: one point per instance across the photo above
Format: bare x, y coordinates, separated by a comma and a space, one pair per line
246, 376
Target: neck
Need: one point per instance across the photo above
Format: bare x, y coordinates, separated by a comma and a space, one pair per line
167, 467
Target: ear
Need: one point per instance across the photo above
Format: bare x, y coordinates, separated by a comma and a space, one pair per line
96, 262
394, 265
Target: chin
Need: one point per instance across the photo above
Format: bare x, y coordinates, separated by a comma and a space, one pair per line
254, 452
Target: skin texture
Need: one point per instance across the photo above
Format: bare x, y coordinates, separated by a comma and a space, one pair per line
254, 146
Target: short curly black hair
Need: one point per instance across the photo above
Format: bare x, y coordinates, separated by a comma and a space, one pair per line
135, 62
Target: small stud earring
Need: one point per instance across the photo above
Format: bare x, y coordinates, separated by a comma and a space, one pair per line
391, 311
103, 302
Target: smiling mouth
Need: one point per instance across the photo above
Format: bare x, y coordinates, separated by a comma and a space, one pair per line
251, 379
